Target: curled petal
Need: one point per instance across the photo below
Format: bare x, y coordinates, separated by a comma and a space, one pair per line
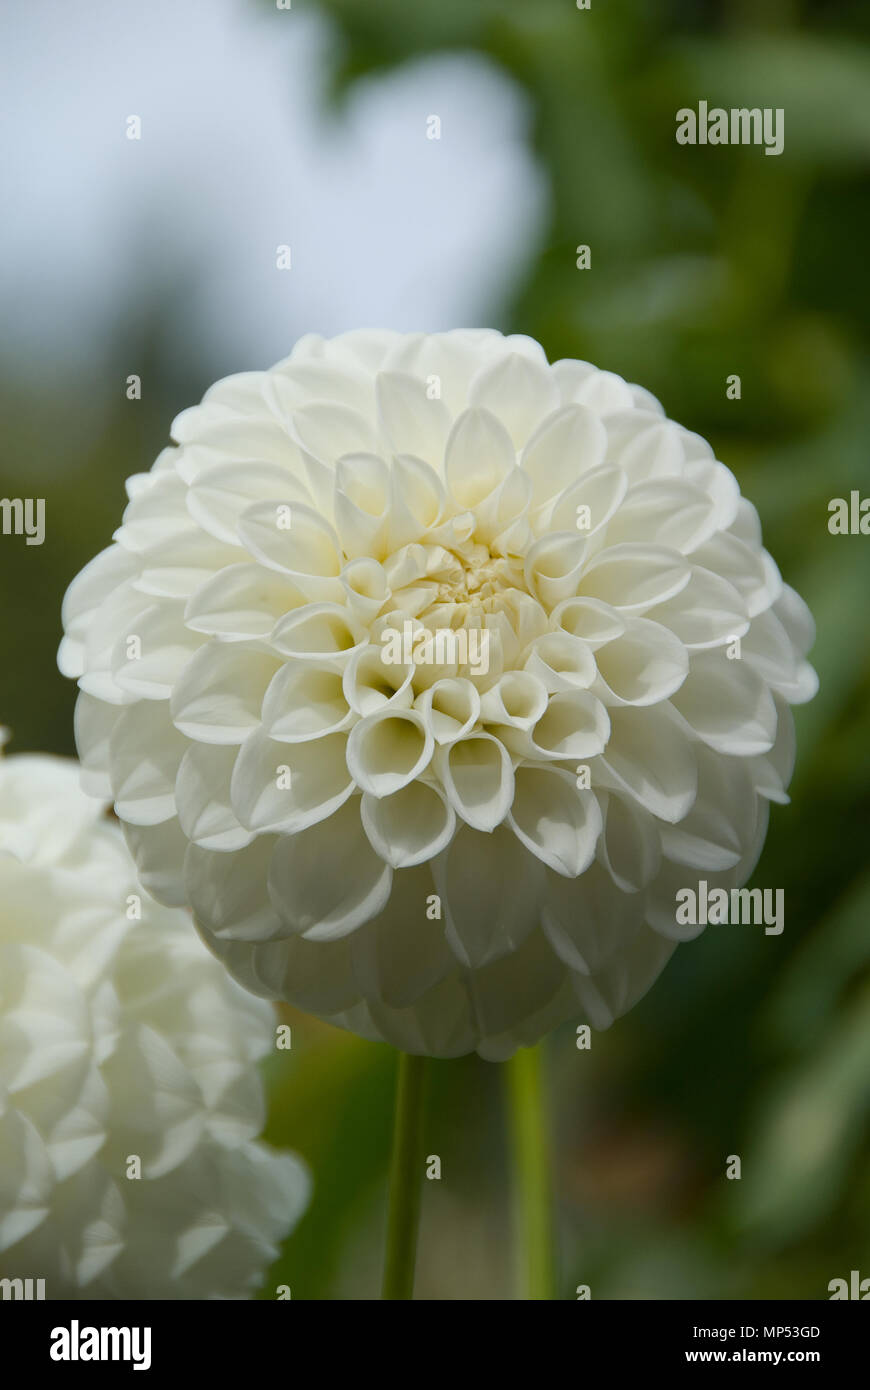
388, 749
409, 827
518, 699
646, 664
561, 662
478, 779
304, 702
574, 725
323, 633
451, 707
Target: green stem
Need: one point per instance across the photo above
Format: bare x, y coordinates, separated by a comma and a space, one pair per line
533, 1181
406, 1179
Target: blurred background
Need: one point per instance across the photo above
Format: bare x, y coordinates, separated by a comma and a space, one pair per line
307, 127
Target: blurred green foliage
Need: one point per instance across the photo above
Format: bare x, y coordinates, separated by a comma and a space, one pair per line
705, 262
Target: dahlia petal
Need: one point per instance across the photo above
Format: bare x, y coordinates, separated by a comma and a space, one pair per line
219, 694
642, 666
491, 894
323, 633
94, 722
772, 771
554, 566
150, 657
561, 662
241, 601
719, 828
633, 577
604, 392
175, 568
372, 683
519, 390
518, 698
668, 510
299, 383
393, 962
315, 901
507, 990
630, 845
558, 823
304, 702
708, 612
575, 725
295, 541
727, 705
388, 749
652, 760
228, 891
589, 921
361, 504
478, 456
365, 584
220, 494
590, 619
601, 492
158, 851
644, 445
413, 421
797, 620
202, 795
478, 779
289, 786
328, 430
145, 752
450, 707
154, 514
410, 826
570, 442
742, 567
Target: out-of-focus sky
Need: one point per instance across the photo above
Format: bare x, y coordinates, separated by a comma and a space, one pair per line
239, 154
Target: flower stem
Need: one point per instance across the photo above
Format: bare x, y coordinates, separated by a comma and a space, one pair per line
406, 1179
533, 1180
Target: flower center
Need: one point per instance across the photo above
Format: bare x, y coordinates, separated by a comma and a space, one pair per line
472, 576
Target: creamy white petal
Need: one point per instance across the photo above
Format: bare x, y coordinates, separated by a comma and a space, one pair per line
327, 880
219, 693
558, 823
289, 786
478, 779
388, 749
652, 760
410, 826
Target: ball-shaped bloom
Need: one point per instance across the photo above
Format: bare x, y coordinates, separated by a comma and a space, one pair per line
426, 672
129, 1094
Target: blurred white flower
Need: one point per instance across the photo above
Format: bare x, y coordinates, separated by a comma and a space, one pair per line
122, 1039
445, 857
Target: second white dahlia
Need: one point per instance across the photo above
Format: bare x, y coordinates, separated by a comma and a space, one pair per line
451, 844
130, 1102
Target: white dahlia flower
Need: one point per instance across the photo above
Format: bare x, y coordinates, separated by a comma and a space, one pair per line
122, 1039
451, 845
